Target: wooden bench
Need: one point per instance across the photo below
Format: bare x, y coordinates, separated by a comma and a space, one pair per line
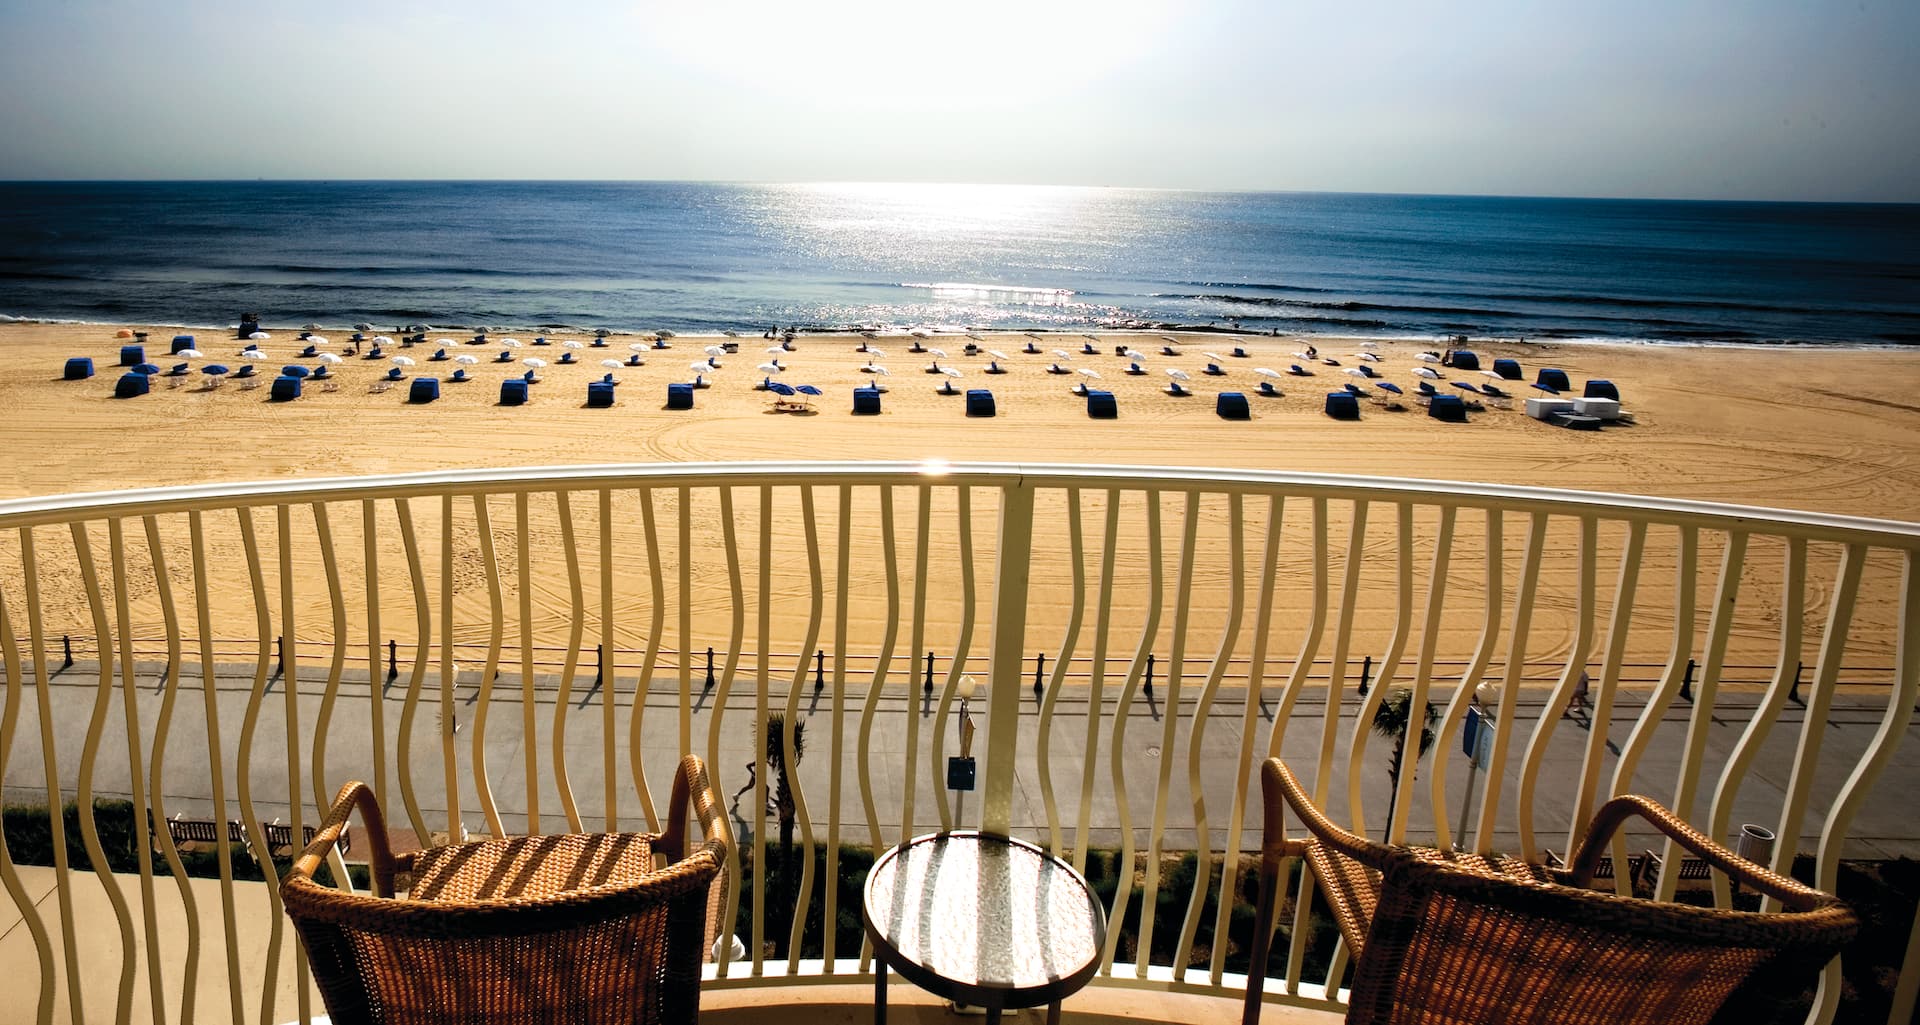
280, 845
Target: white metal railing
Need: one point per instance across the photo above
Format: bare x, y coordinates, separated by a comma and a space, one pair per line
1180, 624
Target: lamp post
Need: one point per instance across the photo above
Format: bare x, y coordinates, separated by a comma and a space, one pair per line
1477, 741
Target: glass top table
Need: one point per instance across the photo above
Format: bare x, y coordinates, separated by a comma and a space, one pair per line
983, 920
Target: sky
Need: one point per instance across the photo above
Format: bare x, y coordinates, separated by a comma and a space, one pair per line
1710, 99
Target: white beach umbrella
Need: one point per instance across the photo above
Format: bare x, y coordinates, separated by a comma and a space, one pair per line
718, 350
1357, 372
612, 364
332, 357
1179, 375
950, 371
975, 337
1370, 357
701, 364
465, 359
601, 332
771, 368
1214, 356
1093, 337
731, 334
1369, 345
188, 354
921, 332
1170, 340
938, 353
259, 336
254, 356
571, 344
534, 362
1427, 372
511, 343
871, 351
882, 371
445, 341
997, 354
1267, 372
402, 361
639, 347
1063, 354
382, 340
665, 334
317, 340
309, 327
776, 348
1090, 372
1428, 357
363, 327
1135, 354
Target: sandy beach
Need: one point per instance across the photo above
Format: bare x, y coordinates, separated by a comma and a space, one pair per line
1824, 429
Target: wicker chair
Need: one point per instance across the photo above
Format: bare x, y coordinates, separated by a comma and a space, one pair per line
1450, 938
576, 927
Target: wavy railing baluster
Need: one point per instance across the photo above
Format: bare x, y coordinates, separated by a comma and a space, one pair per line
737, 633
830, 889
1096, 681
1793, 609
1389, 665
649, 661
1423, 670
1893, 726
963, 498
243, 774
1297, 683
496, 643
129, 690
156, 769
50, 774
685, 601
576, 632
1243, 762
1561, 696
882, 662
789, 740
1043, 743
1813, 724
329, 564
449, 681
923, 518
1456, 710
290, 689
1601, 716
1684, 588
529, 699
1169, 724
1203, 838
376, 683
1706, 688
216, 763
29, 914
417, 676
1337, 683
763, 609
89, 756
609, 674
1117, 766
1515, 675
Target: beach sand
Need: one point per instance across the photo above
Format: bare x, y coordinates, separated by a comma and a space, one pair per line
1833, 430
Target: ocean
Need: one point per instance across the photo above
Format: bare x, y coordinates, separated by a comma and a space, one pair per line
703, 257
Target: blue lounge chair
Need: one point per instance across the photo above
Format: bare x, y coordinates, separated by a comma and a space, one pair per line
132, 355
979, 402
1168, 350
375, 353
506, 356
513, 392
1087, 349
1136, 369
1174, 388
1100, 405
1298, 371
541, 340
439, 356
1214, 370
995, 368
1549, 377
680, 396
321, 371
529, 378
658, 343
599, 394
396, 374
1232, 405
1342, 405
459, 376
181, 343
1599, 388
424, 389
79, 368
1448, 408
285, 389
131, 385
866, 401
178, 370
947, 388
634, 360
1267, 389
608, 379
309, 352
1239, 352
1508, 369
601, 343
1031, 349
244, 372
566, 357
1494, 390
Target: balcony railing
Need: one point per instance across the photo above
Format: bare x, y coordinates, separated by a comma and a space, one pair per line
528, 651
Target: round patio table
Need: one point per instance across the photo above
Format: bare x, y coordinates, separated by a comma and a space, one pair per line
984, 920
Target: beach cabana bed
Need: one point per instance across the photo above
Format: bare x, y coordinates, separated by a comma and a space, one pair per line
1508, 369
1555, 379
132, 355
680, 396
866, 402
600, 395
1100, 405
1343, 405
979, 402
131, 385
1599, 388
513, 392
423, 389
1448, 409
286, 388
79, 368
1232, 405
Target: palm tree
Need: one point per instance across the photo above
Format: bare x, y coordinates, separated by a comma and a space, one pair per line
1391, 720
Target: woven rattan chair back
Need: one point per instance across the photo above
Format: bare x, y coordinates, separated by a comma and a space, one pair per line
1445, 939
577, 927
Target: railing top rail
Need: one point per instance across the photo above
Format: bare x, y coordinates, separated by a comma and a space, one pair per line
21, 512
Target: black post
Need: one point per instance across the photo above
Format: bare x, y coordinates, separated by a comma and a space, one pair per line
1039, 670
929, 687
600, 664
66, 643
1793, 694
709, 667
280, 651
1366, 675
393, 660
819, 669
1149, 674
1686, 682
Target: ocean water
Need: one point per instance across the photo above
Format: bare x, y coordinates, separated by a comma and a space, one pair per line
705, 257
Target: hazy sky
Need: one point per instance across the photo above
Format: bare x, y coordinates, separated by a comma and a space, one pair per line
1771, 99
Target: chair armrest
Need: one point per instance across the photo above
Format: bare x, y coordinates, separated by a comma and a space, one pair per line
1276, 778
1616, 812
380, 861
692, 786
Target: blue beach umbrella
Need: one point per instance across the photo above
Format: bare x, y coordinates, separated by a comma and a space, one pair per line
807, 389
294, 370
148, 369
214, 370
1389, 386
780, 388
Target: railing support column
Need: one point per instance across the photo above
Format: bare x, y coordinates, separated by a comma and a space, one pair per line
66, 645
1009, 643
1039, 670
709, 684
393, 660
